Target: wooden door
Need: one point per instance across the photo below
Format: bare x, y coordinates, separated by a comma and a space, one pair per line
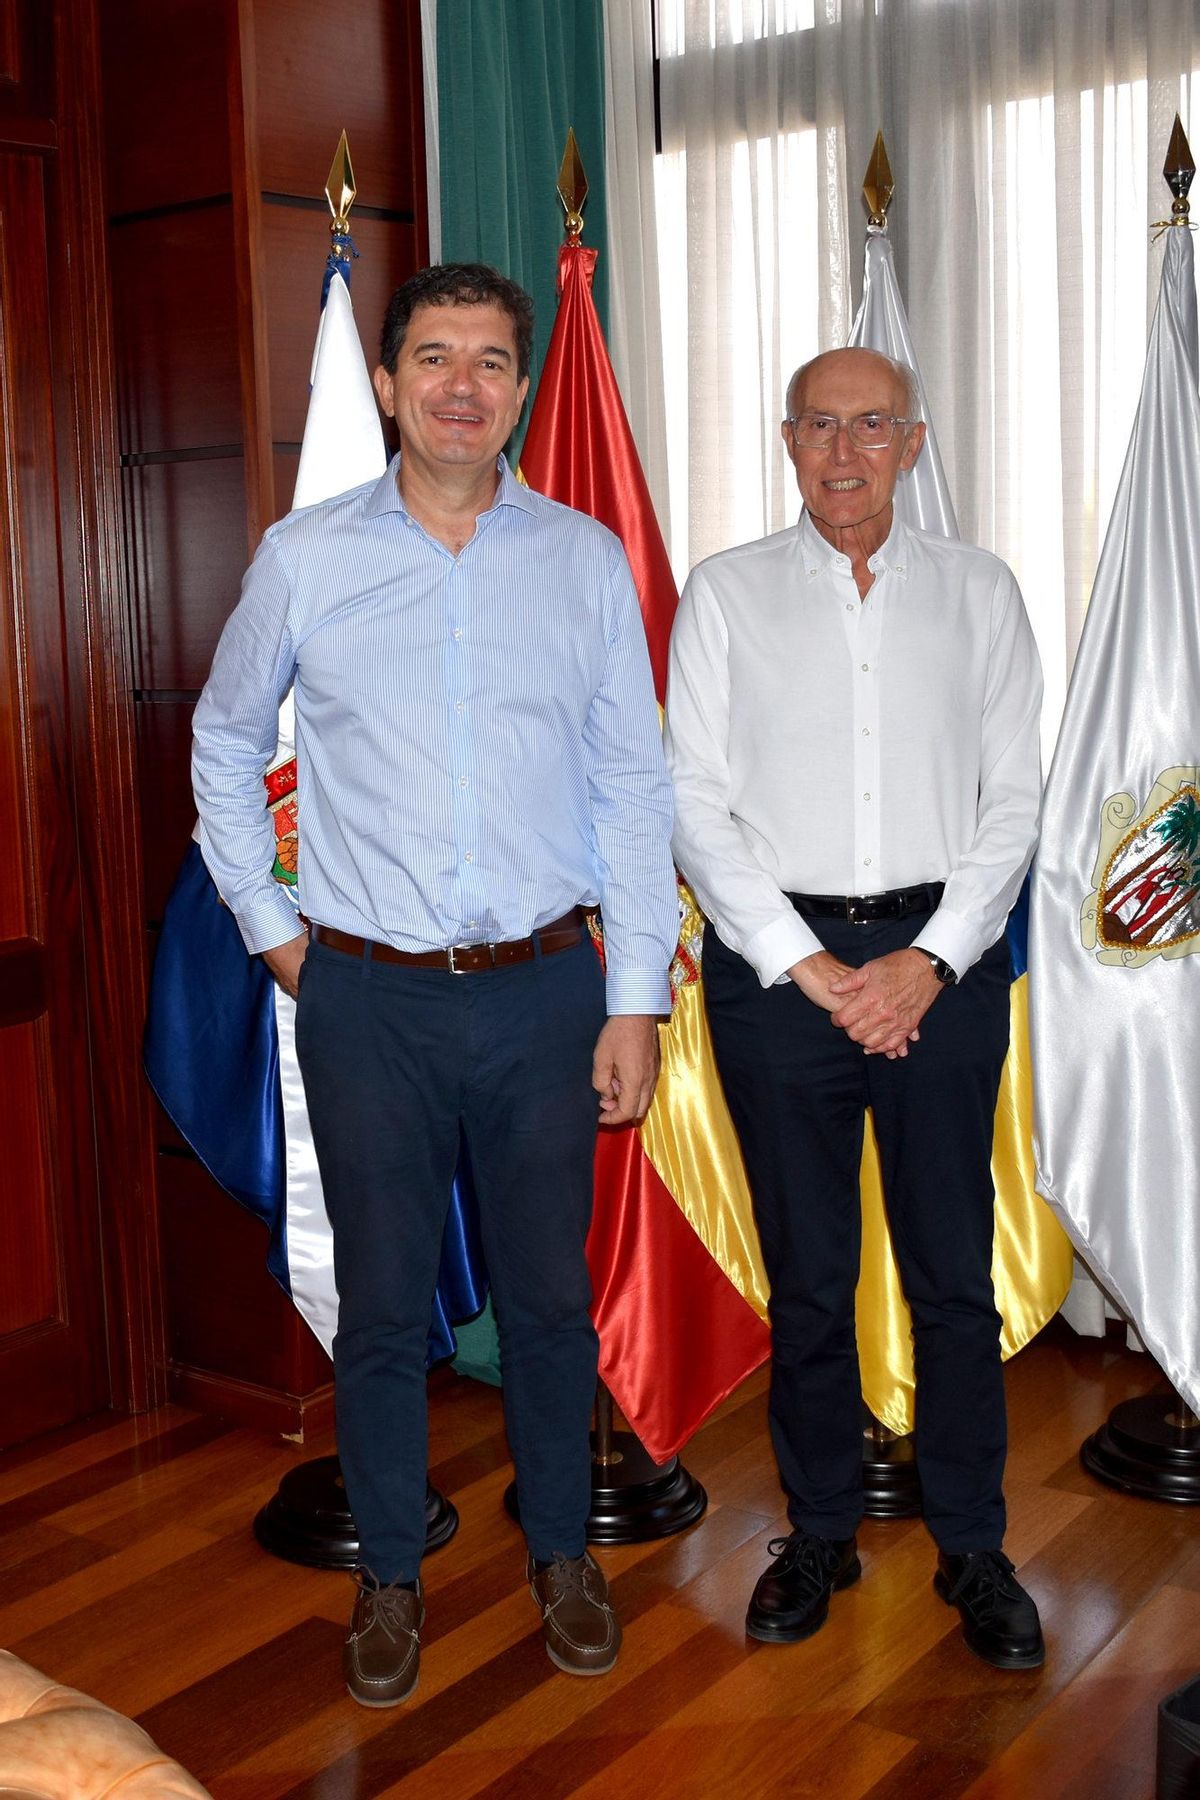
53, 1365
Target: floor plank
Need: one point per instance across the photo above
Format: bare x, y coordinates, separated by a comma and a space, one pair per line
128, 1568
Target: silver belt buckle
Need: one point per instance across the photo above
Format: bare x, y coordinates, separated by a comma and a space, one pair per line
454, 968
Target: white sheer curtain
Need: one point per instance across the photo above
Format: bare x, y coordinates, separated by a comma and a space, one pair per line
1027, 139
634, 334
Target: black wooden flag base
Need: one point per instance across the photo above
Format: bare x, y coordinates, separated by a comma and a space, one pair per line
1149, 1447
1178, 1766
308, 1519
891, 1485
634, 1499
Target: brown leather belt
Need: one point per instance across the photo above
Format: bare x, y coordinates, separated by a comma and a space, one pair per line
460, 959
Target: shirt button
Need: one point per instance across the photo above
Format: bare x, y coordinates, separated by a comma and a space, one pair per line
866, 731
866, 862
469, 857
866, 796
464, 780
866, 668
457, 632
849, 606
460, 706
472, 924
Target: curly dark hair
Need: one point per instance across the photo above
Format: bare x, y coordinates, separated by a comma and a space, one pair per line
457, 284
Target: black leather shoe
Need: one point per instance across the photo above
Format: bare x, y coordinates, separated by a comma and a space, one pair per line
791, 1598
1000, 1620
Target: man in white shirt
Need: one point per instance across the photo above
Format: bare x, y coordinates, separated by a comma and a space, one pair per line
852, 728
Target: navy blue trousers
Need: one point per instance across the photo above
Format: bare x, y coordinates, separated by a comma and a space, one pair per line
397, 1062
798, 1090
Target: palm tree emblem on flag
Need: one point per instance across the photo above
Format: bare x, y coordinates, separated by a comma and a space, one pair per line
1146, 897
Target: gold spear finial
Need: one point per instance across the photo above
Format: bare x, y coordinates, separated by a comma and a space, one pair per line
878, 186
340, 189
1178, 171
1179, 167
572, 186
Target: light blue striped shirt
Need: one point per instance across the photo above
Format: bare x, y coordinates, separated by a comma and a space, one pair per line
477, 740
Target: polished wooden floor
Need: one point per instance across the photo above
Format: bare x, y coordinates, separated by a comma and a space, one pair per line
127, 1568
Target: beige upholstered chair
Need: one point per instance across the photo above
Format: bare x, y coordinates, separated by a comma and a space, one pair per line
57, 1744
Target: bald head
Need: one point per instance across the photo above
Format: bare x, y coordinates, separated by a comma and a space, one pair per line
847, 487
836, 362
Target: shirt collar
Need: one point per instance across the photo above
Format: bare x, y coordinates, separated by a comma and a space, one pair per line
819, 554
385, 496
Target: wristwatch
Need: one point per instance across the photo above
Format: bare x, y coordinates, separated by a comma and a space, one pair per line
941, 969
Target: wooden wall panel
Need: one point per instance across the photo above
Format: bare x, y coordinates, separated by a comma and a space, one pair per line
70, 1143
166, 102
230, 1317
27, 65
10, 47
321, 68
174, 306
29, 1289
164, 742
187, 542
218, 233
15, 871
286, 468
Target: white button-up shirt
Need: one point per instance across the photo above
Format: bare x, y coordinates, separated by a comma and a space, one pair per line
823, 744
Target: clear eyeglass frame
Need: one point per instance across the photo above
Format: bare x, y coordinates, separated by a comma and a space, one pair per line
866, 431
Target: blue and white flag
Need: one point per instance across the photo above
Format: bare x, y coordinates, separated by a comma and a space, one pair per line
219, 1048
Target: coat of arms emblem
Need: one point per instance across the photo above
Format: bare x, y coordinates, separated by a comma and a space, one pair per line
1145, 899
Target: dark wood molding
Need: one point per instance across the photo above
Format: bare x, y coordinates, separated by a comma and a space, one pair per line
295, 1416
411, 106
101, 680
22, 981
28, 134
249, 262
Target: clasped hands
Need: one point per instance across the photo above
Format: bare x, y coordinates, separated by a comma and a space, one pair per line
880, 1005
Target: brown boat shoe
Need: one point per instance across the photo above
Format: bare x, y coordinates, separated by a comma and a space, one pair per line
581, 1630
381, 1658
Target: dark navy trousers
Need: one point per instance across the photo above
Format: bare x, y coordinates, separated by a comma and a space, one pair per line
798, 1090
397, 1062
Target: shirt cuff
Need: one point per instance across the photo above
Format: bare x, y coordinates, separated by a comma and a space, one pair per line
646, 991
773, 950
952, 939
269, 923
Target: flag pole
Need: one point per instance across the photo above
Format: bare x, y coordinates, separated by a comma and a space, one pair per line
1150, 1446
634, 1499
891, 1485
308, 1518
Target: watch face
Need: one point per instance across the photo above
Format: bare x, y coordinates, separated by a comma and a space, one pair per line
941, 969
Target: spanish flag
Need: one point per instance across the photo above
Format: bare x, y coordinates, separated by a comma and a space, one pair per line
679, 1289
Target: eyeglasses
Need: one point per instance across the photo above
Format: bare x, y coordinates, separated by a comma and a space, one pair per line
869, 431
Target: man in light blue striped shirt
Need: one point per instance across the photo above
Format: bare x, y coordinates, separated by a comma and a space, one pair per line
478, 760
